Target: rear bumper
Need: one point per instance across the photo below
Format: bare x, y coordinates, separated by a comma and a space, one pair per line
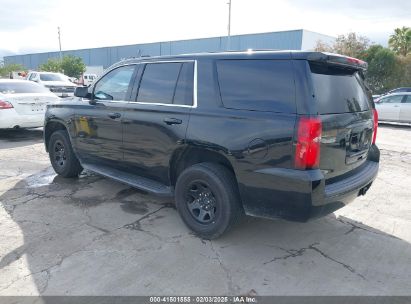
341, 193
303, 195
9, 118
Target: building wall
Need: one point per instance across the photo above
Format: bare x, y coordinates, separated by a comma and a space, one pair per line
106, 56
310, 39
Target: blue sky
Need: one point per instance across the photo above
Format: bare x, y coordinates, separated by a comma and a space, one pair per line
28, 26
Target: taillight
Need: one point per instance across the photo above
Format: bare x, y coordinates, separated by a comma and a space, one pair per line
5, 105
307, 149
375, 119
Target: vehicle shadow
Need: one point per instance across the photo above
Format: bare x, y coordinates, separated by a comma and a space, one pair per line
93, 236
13, 138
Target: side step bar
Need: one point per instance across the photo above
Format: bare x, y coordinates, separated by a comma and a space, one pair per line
132, 180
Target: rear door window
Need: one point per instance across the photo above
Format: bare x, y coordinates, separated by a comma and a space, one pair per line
338, 90
185, 85
158, 83
259, 85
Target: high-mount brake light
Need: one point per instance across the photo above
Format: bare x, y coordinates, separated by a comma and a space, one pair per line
347, 61
307, 149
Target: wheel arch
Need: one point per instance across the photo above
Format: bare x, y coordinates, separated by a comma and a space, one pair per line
50, 128
189, 155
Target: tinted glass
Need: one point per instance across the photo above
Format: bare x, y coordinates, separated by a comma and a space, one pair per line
265, 85
159, 82
115, 84
184, 90
22, 87
408, 99
338, 90
52, 77
32, 76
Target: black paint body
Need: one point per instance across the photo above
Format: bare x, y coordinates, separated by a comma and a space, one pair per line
257, 145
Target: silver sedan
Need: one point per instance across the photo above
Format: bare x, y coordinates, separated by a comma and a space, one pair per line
394, 107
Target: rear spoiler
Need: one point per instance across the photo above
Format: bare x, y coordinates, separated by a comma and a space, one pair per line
336, 59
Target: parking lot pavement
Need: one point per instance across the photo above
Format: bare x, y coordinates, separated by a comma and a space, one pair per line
94, 236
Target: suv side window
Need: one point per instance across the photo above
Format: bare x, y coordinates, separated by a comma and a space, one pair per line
115, 84
259, 85
184, 90
167, 83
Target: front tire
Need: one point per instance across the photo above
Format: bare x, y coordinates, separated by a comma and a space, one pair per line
207, 199
62, 157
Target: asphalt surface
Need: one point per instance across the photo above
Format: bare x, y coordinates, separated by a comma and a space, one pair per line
94, 236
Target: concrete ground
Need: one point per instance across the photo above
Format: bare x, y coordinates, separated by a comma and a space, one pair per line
94, 236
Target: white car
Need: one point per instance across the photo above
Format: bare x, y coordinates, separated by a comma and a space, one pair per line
394, 107
23, 103
57, 83
88, 79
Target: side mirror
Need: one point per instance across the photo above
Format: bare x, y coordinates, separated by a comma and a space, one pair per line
82, 92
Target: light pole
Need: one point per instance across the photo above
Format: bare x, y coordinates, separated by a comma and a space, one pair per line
229, 26
58, 30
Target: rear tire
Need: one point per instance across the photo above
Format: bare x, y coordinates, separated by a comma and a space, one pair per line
62, 157
207, 199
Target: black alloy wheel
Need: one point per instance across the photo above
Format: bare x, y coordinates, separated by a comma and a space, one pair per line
201, 202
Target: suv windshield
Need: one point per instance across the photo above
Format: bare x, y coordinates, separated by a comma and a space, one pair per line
338, 90
52, 77
22, 87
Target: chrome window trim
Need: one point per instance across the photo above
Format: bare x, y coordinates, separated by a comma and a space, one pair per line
194, 105
195, 79
112, 101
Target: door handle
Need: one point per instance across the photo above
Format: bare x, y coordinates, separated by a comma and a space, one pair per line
172, 121
396, 106
114, 115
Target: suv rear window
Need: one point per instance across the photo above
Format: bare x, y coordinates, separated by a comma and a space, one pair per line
259, 85
338, 90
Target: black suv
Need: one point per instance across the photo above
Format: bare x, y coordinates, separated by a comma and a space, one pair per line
275, 134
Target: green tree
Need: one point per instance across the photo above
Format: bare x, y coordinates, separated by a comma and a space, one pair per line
382, 69
73, 66
70, 65
400, 41
51, 65
402, 76
6, 69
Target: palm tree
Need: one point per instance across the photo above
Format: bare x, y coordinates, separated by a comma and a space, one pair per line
400, 41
